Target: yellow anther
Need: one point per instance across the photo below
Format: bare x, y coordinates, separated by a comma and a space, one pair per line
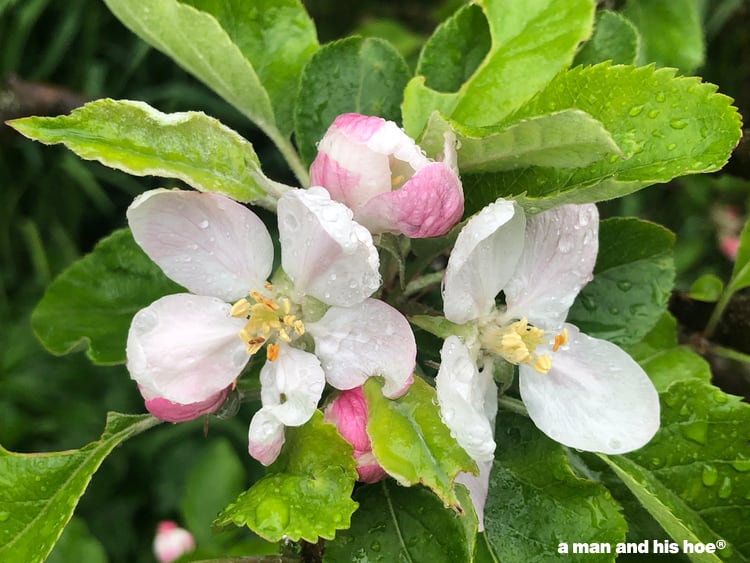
289, 320
268, 285
240, 309
543, 364
254, 344
272, 352
299, 328
287, 306
396, 180
560, 340
284, 335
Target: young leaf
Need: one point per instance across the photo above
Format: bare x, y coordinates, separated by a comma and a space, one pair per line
404, 524
564, 139
306, 493
92, 303
359, 75
666, 126
535, 500
137, 139
614, 39
664, 361
40, 491
671, 32
707, 288
694, 475
530, 43
741, 272
633, 279
199, 44
411, 442
277, 37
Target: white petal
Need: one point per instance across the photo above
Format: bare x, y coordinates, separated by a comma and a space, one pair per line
595, 398
370, 339
558, 260
185, 348
467, 399
206, 242
291, 385
265, 436
324, 251
479, 486
482, 261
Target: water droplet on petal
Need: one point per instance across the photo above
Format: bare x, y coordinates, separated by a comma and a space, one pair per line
203, 224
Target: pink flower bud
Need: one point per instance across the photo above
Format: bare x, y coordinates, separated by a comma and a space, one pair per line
348, 412
381, 174
729, 246
171, 542
166, 410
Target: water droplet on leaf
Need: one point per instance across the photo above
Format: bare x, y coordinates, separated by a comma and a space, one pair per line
709, 476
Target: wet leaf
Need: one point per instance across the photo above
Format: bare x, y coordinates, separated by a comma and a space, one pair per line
306, 493
615, 39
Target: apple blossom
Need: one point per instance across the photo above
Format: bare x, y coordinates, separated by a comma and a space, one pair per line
583, 392
171, 542
348, 412
380, 173
186, 351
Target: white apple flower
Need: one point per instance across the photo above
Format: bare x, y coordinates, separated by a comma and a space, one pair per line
380, 173
583, 392
185, 351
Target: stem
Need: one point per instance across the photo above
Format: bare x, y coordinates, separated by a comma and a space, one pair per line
288, 151
717, 312
512, 405
422, 282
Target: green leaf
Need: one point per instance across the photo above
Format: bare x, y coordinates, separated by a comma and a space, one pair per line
92, 303
665, 126
137, 139
741, 271
277, 37
663, 360
40, 491
359, 75
565, 139
410, 441
77, 544
615, 39
671, 32
536, 502
530, 43
198, 43
633, 280
694, 475
404, 524
708, 288
307, 491
216, 478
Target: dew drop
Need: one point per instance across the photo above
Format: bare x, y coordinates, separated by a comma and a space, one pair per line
145, 321
741, 465
565, 244
696, 431
635, 110
614, 311
588, 303
614, 158
291, 223
725, 489
709, 476
678, 123
671, 146
656, 462
720, 397
653, 113
375, 546
203, 224
624, 285
660, 97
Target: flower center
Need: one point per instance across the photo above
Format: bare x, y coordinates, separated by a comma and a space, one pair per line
269, 320
517, 343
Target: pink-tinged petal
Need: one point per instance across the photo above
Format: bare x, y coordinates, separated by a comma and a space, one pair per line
368, 468
348, 413
467, 399
206, 242
427, 205
166, 410
595, 398
171, 542
291, 385
265, 436
185, 348
479, 486
558, 260
482, 261
369, 339
324, 251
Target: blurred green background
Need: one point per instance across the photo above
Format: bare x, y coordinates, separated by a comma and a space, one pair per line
54, 207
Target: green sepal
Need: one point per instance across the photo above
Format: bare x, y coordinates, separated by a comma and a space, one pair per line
140, 140
633, 280
90, 305
396, 523
40, 491
306, 493
410, 441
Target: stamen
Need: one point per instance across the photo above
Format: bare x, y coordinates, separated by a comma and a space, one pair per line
560, 340
240, 309
543, 364
272, 352
396, 180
